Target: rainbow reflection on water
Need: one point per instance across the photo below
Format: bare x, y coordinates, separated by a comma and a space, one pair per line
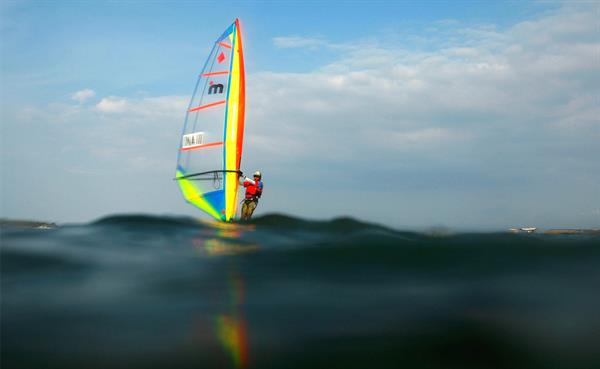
231, 327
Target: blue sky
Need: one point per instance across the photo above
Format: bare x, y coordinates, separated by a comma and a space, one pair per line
472, 114
122, 46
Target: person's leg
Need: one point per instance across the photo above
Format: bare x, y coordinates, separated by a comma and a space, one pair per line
245, 215
251, 207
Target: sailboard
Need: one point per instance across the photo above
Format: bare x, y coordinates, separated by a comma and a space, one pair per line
210, 149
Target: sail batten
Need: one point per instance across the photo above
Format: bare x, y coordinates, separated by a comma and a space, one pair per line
201, 146
214, 73
206, 106
211, 142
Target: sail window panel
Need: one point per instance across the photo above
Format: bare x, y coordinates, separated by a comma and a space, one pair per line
207, 160
209, 121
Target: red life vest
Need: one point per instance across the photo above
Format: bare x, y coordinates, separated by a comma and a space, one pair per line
253, 189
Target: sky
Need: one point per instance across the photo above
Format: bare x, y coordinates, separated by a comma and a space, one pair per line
475, 115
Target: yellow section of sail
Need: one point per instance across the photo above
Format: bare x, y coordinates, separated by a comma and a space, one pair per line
231, 178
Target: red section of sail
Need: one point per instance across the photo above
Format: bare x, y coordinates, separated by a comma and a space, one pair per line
224, 44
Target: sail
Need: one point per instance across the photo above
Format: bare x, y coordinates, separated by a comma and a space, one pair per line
210, 149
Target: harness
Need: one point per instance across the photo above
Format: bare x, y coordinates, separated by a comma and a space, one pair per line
253, 192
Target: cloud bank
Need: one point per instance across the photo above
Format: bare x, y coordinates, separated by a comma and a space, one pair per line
507, 118
539, 77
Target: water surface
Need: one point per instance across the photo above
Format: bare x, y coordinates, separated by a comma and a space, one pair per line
153, 292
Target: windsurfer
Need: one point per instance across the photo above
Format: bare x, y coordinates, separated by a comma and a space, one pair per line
254, 188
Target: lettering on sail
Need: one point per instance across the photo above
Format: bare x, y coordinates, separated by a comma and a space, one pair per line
192, 139
215, 88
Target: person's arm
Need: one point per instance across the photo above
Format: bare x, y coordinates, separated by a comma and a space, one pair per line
245, 181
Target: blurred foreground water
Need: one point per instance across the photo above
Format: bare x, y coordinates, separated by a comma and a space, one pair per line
155, 292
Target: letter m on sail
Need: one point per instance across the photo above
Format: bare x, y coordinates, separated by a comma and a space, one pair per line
215, 89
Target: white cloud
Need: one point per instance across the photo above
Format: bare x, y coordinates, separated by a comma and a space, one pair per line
159, 106
83, 95
112, 104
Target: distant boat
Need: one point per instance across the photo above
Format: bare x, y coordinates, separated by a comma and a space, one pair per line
523, 230
210, 148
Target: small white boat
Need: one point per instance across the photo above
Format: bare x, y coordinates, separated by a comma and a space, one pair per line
523, 230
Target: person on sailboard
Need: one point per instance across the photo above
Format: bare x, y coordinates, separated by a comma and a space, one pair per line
254, 188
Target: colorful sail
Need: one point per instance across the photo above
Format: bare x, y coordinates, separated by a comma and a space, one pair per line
210, 150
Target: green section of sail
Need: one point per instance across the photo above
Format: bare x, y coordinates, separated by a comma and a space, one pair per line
193, 195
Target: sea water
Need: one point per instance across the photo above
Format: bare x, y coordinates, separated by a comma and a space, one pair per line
280, 292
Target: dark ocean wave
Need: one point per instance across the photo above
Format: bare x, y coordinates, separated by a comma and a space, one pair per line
342, 224
146, 221
276, 222
284, 292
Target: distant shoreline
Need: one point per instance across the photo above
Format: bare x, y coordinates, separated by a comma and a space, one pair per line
33, 224
26, 224
572, 231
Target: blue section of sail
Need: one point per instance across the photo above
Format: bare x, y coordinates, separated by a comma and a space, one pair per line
227, 32
216, 199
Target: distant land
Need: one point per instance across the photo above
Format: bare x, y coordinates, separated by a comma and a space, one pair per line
19, 223
26, 224
572, 231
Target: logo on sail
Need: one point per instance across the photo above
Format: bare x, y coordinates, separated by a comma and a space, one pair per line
215, 88
192, 139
